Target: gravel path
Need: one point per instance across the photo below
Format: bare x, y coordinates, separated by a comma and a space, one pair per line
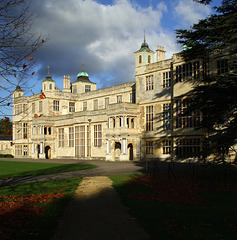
96, 213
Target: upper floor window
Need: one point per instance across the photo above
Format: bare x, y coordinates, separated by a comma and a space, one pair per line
166, 79
50, 86
187, 71
24, 108
133, 97
186, 119
196, 70
71, 106
40, 106
149, 118
25, 130
18, 133
149, 83
56, 105
167, 116
74, 89
84, 106
33, 107
222, 66
149, 59
140, 59
95, 104
87, 88
18, 109
106, 102
119, 98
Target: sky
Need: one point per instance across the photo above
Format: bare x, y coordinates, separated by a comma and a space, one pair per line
105, 34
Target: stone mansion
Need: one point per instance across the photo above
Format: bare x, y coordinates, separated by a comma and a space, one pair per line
133, 121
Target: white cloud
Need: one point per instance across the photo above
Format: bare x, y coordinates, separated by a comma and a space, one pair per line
189, 12
104, 36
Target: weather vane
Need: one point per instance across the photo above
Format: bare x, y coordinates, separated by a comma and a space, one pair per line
48, 69
83, 69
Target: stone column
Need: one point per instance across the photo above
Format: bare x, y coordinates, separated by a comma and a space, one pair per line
108, 156
42, 153
108, 142
33, 148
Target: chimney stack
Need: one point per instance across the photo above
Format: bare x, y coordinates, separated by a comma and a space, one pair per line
160, 53
66, 83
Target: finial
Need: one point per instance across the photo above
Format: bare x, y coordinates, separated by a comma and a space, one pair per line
144, 36
83, 69
48, 69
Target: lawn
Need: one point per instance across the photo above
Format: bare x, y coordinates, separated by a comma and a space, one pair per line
10, 169
32, 210
180, 209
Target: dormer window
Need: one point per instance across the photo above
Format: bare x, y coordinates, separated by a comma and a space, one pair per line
87, 88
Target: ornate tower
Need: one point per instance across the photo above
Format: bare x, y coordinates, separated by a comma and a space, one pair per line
48, 84
143, 57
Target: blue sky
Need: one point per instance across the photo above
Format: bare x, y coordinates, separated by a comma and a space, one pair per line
104, 34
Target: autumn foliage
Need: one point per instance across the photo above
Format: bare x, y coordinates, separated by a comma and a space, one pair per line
17, 212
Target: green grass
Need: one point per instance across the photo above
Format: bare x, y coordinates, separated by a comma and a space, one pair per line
215, 218
10, 169
37, 227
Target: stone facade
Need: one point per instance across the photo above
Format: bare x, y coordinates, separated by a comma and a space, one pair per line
132, 121
6, 146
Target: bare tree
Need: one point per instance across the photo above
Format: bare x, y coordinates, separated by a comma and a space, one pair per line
17, 44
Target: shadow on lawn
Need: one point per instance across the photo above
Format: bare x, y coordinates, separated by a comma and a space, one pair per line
51, 170
180, 208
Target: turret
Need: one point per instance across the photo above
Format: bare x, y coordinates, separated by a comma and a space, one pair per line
143, 57
18, 92
83, 83
48, 84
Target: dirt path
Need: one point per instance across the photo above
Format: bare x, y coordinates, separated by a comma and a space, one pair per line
96, 213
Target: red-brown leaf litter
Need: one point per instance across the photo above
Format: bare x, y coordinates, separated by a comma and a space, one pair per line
16, 212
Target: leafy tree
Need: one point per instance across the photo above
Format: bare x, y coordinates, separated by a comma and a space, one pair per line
5, 126
17, 43
216, 94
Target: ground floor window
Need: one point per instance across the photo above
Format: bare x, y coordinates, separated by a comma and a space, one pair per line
166, 146
18, 150
149, 147
25, 150
61, 137
188, 147
71, 136
98, 135
80, 141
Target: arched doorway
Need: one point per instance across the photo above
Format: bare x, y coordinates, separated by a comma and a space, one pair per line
117, 151
130, 150
47, 152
